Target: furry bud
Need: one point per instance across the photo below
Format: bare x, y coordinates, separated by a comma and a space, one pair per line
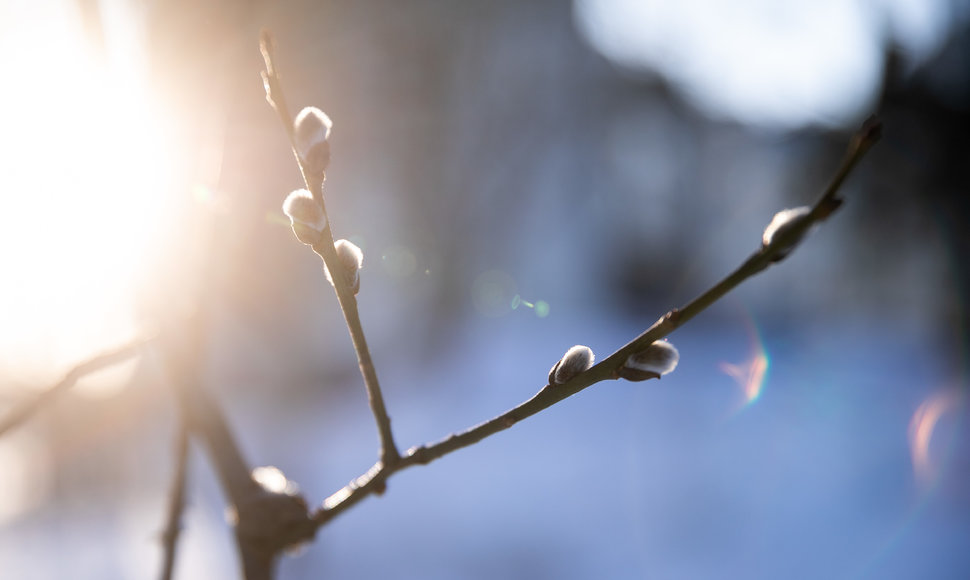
784, 221
306, 216
577, 359
311, 133
351, 260
272, 480
656, 360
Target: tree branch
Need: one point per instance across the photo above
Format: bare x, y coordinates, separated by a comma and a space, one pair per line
266, 522
374, 479
325, 249
26, 409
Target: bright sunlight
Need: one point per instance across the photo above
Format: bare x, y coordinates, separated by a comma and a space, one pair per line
85, 178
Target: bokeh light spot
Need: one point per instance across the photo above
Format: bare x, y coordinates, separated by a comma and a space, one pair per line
542, 309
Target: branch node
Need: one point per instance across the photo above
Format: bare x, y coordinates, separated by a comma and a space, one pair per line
418, 454
270, 522
672, 317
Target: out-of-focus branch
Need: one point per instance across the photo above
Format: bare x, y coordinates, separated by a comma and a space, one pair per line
325, 249
776, 248
182, 355
26, 409
266, 522
176, 499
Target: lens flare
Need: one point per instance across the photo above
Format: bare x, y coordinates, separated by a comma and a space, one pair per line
541, 307
922, 427
750, 374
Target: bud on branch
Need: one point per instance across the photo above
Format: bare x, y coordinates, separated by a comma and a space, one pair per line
306, 216
351, 261
311, 136
658, 359
577, 359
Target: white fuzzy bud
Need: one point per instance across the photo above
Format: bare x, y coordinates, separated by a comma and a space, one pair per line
351, 261
272, 480
282, 511
306, 216
656, 360
577, 359
784, 221
311, 133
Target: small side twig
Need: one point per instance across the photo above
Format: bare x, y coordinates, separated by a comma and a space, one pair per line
176, 505
374, 479
389, 453
112, 357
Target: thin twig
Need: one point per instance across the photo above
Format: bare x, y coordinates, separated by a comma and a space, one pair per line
112, 357
827, 203
374, 479
389, 454
176, 505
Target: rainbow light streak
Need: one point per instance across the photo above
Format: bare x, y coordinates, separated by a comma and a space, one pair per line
750, 374
928, 471
922, 426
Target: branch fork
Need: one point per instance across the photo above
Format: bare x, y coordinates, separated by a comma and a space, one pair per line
270, 521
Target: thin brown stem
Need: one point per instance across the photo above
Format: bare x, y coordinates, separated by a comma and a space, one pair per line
348, 305
325, 249
373, 481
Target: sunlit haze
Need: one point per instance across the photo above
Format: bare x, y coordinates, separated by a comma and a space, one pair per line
520, 177
83, 185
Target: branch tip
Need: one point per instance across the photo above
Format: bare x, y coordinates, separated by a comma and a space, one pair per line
267, 46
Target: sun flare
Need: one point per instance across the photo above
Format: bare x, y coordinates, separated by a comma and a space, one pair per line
84, 184
927, 461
